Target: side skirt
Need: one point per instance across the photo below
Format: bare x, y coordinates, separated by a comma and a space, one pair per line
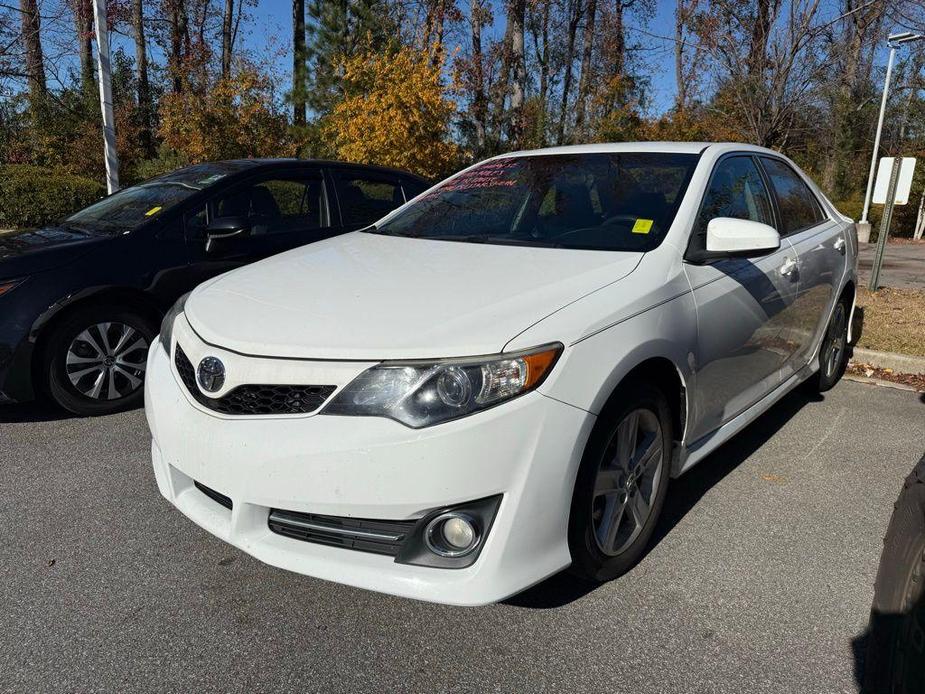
705, 445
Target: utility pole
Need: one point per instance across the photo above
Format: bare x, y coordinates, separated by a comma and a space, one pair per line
109, 125
894, 41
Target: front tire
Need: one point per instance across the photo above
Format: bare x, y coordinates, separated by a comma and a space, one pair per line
621, 483
95, 360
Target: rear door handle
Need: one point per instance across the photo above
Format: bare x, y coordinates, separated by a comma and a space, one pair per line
788, 267
839, 245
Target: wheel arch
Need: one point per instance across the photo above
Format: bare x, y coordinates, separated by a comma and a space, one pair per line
45, 324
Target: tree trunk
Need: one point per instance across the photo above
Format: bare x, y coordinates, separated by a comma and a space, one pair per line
574, 20
479, 105
179, 37
761, 29
587, 53
298, 62
227, 38
32, 40
145, 107
680, 20
518, 11
83, 20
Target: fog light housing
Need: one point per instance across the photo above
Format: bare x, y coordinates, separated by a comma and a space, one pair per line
450, 537
452, 534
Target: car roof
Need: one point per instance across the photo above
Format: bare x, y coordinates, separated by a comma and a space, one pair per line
638, 147
330, 163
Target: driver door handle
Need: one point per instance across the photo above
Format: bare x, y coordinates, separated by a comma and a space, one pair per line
788, 267
839, 245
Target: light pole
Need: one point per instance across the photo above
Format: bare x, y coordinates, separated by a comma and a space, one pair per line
109, 126
894, 41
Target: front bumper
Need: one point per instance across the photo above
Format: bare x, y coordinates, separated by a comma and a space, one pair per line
527, 450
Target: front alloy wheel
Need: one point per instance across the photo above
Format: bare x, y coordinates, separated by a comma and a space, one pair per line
107, 361
627, 482
95, 359
621, 483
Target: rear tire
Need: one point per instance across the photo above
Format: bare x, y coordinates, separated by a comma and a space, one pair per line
621, 483
95, 359
895, 659
833, 353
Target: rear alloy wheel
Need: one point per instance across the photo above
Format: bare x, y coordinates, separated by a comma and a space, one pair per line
621, 483
833, 353
97, 359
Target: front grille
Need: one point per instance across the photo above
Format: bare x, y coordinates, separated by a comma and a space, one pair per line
217, 497
376, 536
254, 399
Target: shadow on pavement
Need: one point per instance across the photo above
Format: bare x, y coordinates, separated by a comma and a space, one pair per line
32, 412
683, 495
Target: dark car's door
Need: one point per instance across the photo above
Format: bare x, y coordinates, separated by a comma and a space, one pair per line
284, 208
365, 196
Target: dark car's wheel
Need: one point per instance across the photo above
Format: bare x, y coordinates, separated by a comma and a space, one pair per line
621, 484
833, 354
95, 359
896, 645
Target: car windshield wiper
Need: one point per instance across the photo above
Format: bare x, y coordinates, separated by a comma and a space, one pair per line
497, 240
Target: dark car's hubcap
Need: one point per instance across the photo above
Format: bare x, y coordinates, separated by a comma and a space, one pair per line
627, 482
107, 361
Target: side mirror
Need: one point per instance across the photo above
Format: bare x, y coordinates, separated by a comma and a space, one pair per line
224, 228
740, 237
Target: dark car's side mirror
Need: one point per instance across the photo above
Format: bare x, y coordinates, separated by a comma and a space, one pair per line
224, 228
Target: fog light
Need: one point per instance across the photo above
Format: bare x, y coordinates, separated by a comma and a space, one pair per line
452, 535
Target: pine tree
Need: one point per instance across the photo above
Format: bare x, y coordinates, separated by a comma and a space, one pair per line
337, 30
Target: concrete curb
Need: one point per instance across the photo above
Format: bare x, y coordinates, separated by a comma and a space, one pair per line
899, 363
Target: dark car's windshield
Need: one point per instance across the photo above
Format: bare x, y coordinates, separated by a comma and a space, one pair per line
131, 207
600, 201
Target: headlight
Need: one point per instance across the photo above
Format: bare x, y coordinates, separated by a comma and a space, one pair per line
420, 394
167, 323
9, 285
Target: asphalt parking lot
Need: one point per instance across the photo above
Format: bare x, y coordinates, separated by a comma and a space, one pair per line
760, 581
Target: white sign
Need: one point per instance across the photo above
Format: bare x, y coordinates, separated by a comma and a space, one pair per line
903, 185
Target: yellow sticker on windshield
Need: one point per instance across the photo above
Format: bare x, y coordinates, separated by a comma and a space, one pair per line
153, 210
642, 226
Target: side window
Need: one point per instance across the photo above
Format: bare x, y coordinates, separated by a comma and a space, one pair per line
799, 208
413, 187
736, 190
365, 198
277, 205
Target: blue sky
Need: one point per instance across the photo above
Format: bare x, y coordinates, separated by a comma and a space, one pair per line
267, 36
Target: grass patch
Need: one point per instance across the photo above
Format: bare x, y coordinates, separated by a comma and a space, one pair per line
894, 320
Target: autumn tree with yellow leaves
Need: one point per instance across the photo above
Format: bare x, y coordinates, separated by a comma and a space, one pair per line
395, 112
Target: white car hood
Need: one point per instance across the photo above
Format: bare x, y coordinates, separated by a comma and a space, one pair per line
371, 297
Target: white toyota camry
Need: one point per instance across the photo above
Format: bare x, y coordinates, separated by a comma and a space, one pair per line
498, 380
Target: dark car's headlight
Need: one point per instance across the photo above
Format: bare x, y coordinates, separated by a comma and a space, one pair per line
419, 394
10, 285
169, 319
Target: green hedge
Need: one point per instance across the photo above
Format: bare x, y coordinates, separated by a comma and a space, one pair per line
31, 196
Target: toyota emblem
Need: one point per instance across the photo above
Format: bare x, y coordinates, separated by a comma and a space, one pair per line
211, 374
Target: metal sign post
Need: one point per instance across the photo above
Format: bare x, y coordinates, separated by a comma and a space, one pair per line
885, 225
109, 125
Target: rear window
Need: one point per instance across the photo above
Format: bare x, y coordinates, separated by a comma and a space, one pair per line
366, 198
799, 208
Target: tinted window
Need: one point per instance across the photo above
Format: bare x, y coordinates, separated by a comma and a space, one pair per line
736, 190
605, 201
799, 208
278, 205
413, 188
364, 199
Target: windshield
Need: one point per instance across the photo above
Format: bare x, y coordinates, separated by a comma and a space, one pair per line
131, 207
606, 201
